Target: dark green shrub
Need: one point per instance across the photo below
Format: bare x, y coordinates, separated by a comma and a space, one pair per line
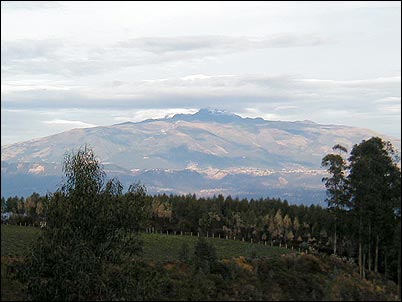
204, 256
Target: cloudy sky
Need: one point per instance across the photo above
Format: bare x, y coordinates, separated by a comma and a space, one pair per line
80, 64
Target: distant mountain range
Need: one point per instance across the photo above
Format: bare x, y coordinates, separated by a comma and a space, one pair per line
209, 152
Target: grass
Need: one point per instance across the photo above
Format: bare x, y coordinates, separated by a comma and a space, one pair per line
166, 247
16, 240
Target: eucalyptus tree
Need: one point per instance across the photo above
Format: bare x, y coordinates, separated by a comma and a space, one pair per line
375, 183
336, 184
91, 236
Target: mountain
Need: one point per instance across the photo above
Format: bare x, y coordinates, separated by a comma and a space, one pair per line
209, 152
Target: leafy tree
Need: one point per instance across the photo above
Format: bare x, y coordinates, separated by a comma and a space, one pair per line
31, 203
287, 225
39, 211
296, 226
279, 226
90, 239
12, 204
20, 206
3, 204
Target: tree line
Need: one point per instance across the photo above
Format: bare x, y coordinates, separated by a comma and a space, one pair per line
267, 220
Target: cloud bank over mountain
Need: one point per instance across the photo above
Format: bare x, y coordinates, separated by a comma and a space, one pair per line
276, 60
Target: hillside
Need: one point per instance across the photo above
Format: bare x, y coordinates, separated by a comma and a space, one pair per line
209, 152
265, 274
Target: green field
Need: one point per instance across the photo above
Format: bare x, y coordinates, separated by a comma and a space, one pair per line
166, 247
15, 240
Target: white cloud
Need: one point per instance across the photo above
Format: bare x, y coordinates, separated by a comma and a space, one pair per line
28, 49
140, 115
162, 45
52, 56
356, 83
29, 5
391, 109
77, 124
279, 60
390, 99
275, 93
37, 169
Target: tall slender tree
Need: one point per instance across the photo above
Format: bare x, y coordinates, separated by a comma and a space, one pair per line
336, 185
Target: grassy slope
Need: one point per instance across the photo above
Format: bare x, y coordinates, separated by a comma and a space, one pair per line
292, 273
15, 240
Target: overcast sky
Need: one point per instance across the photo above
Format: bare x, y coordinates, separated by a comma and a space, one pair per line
80, 64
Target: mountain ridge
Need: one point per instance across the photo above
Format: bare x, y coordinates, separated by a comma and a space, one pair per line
207, 112
228, 153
